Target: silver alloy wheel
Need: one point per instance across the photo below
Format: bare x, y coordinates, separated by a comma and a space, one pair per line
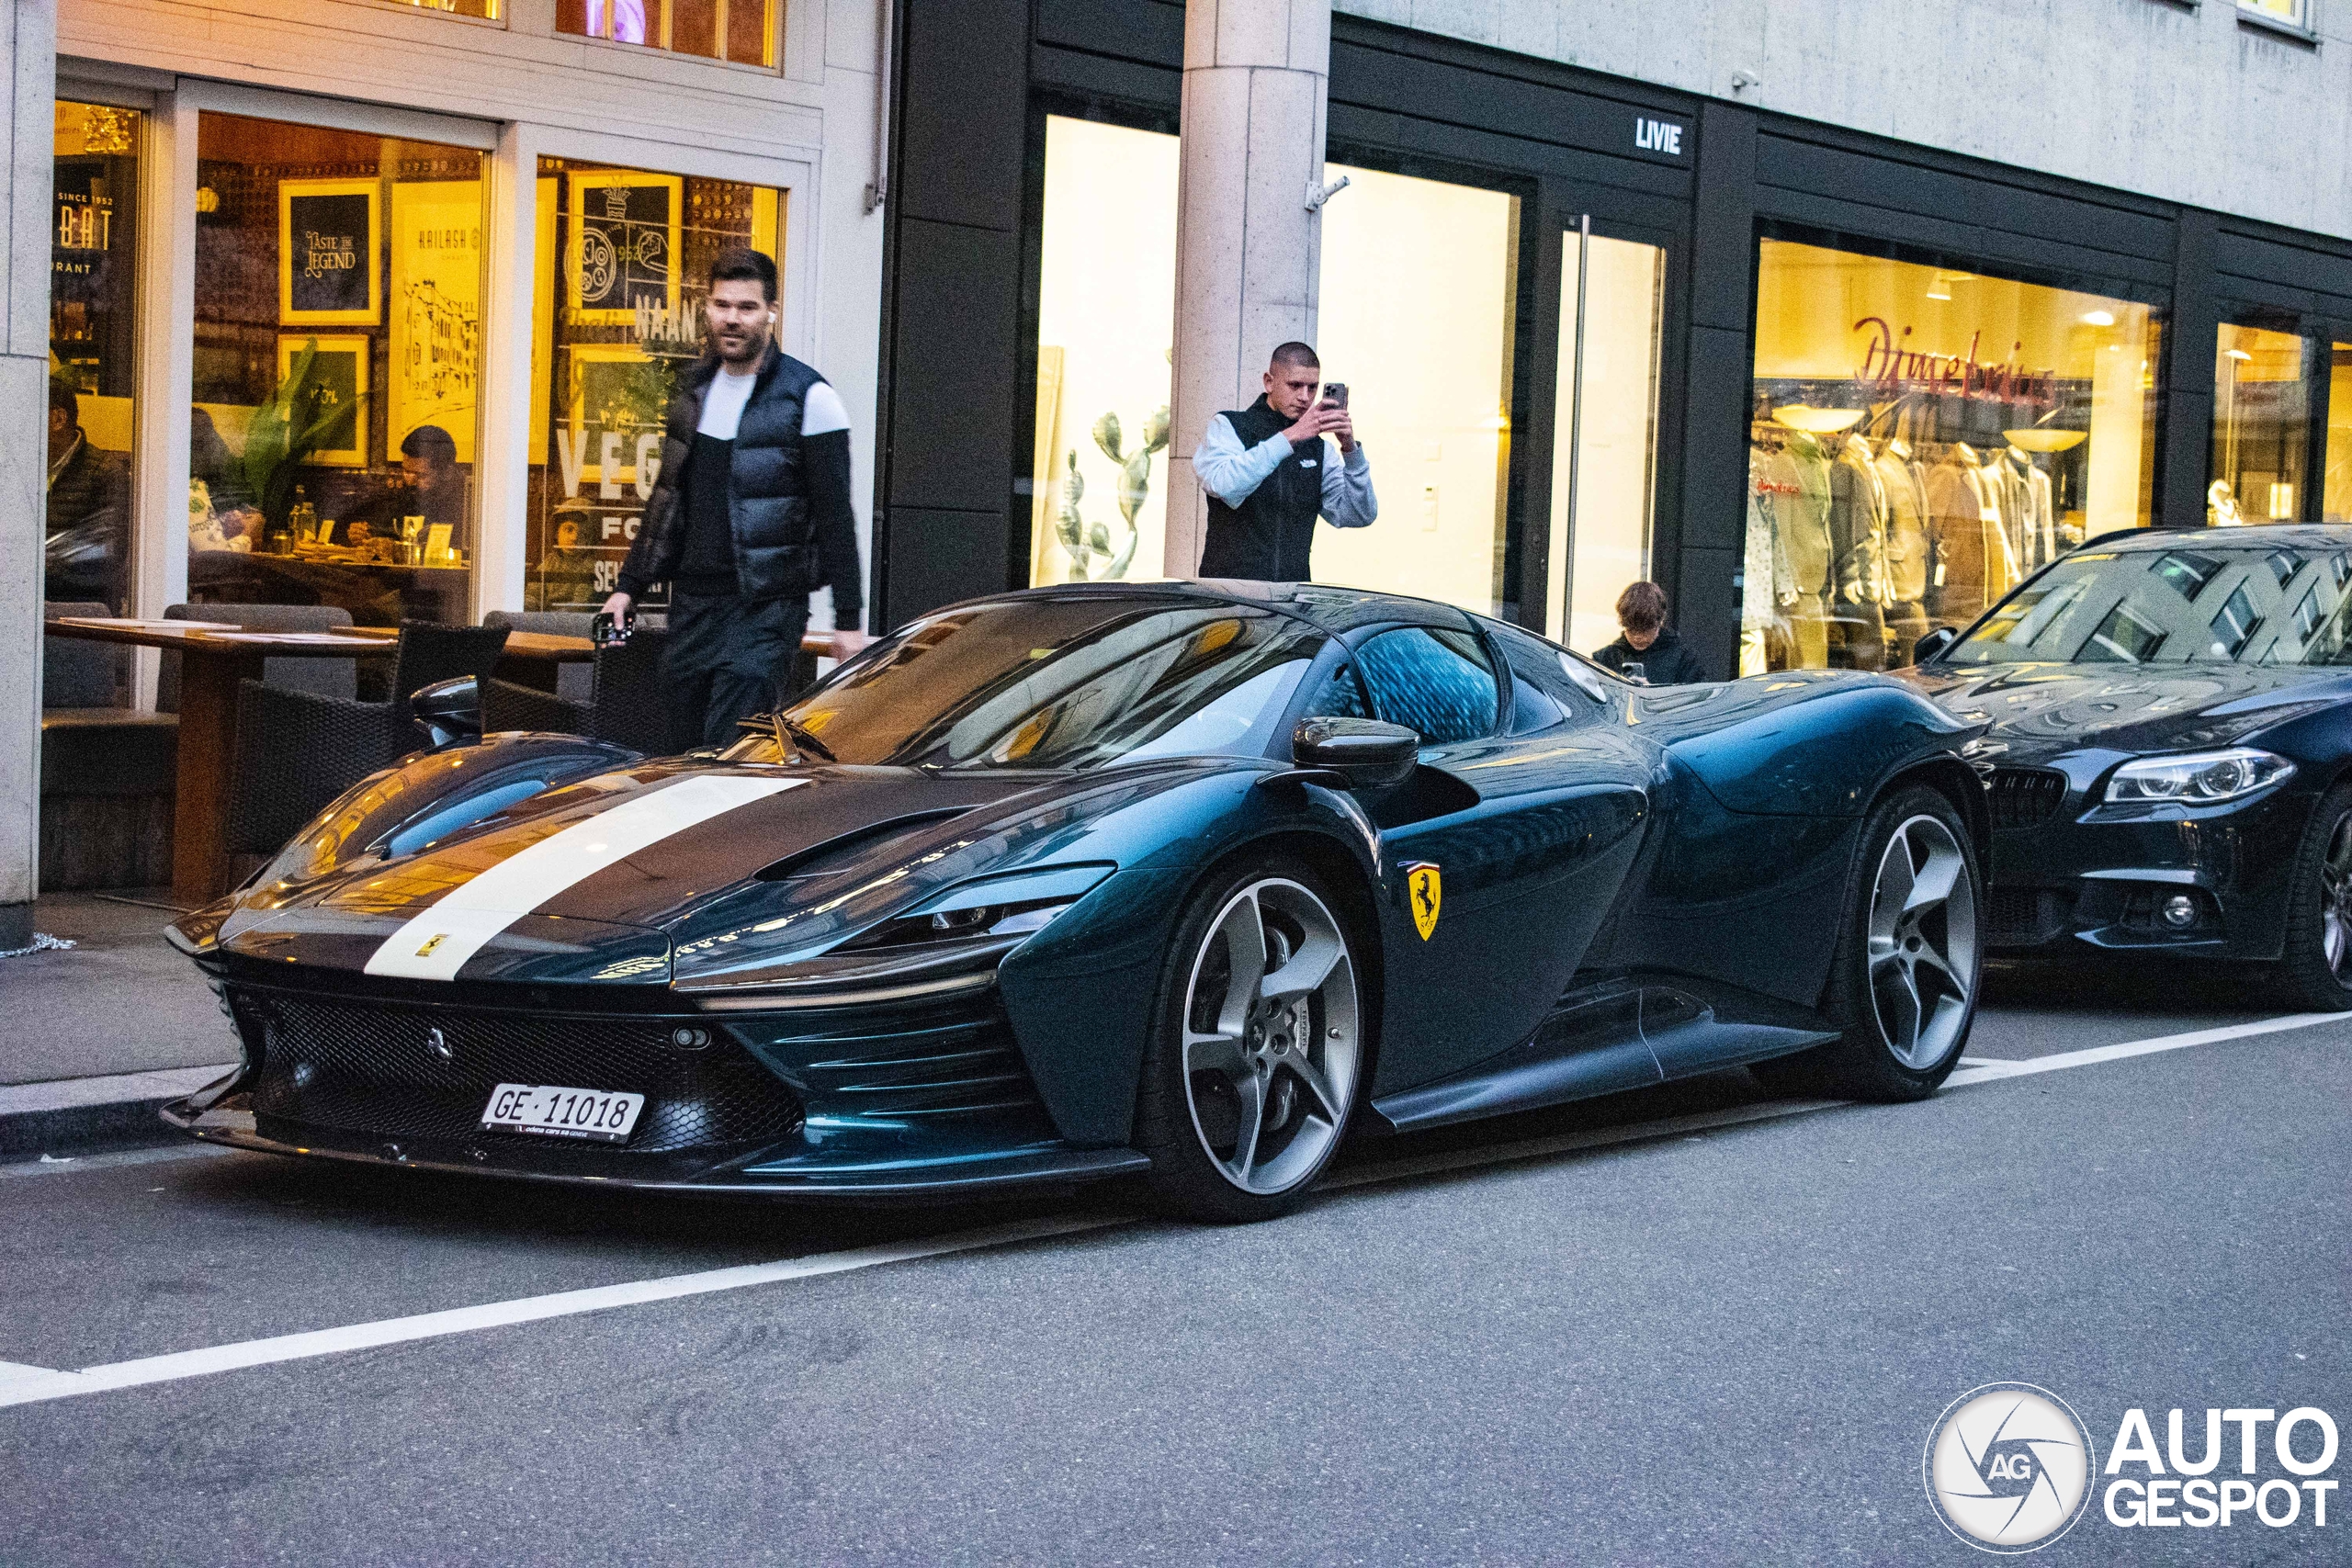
1271, 1041
2335, 900
1922, 943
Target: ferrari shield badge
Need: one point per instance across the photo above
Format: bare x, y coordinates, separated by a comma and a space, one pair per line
1426, 886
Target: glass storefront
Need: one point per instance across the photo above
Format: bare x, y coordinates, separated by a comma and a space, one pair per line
93, 267
619, 284
2336, 500
1604, 437
1418, 296
742, 31
2261, 426
336, 370
1923, 439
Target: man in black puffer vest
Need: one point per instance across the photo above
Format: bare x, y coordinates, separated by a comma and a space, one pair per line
750, 515
1269, 473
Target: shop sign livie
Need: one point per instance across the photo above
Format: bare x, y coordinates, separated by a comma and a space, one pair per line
1888, 365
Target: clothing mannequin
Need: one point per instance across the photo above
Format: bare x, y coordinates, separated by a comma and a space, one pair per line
1857, 535
1908, 549
1800, 475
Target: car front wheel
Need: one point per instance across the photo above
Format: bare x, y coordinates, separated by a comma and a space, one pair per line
1903, 979
1253, 1065
2317, 961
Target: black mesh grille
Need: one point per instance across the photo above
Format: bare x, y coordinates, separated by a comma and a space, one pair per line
2026, 916
367, 1066
2024, 796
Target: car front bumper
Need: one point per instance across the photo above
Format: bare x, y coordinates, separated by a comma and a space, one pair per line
2087, 876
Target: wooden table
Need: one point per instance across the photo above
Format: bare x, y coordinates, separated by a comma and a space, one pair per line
214, 657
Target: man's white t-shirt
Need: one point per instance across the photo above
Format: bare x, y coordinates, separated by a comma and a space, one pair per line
722, 407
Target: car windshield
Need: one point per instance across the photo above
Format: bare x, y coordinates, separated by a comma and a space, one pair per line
1070, 681
2201, 603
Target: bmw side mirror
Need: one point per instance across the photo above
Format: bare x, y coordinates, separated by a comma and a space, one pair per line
1364, 753
1933, 644
450, 712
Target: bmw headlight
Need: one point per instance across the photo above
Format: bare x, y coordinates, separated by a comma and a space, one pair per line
2197, 778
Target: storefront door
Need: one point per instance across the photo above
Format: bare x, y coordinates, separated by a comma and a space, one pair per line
1604, 430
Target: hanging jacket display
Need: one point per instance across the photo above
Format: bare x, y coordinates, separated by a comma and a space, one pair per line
1857, 535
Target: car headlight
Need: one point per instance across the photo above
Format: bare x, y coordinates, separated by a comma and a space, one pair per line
953, 925
2197, 778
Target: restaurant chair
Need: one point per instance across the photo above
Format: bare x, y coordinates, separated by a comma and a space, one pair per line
574, 682
325, 677
107, 770
627, 705
297, 751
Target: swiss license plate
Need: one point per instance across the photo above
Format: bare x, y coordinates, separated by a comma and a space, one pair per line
552, 1111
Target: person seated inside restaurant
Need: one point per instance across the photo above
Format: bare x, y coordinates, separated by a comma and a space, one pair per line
1646, 648
437, 485
567, 573
88, 531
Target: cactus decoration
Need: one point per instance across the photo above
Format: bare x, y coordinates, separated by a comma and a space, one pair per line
1092, 557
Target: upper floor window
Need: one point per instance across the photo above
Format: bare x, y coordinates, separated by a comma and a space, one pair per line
739, 31
2296, 14
488, 10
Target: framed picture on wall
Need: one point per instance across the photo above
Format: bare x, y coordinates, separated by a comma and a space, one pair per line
619, 398
624, 249
327, 246
434, 348
335, 385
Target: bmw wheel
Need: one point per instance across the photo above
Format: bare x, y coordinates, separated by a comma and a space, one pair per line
2317, 961
1254, 1065
1904, 976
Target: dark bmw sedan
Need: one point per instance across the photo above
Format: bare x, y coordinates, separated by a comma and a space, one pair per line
2171, 732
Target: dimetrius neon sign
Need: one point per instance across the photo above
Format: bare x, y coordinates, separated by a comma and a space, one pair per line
1887, 363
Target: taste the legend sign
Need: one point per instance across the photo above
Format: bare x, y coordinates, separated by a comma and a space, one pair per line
326, 254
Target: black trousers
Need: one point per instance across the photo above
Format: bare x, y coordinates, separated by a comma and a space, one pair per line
728, 658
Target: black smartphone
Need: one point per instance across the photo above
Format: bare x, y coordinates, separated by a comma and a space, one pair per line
1336, 394
1633, 670
605, 632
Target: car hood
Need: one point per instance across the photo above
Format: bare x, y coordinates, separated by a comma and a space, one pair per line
611, 878
2040, 711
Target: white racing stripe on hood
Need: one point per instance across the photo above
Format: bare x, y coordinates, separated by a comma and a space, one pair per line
435, 945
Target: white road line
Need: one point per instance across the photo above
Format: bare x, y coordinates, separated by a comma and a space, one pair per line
1986, 1072
22, 1384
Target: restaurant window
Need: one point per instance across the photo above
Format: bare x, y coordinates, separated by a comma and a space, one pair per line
2261, 426
739, 30
1604, 436
2335, 501
623, 267
93, 263
1417, 298
337, 361
1923, 439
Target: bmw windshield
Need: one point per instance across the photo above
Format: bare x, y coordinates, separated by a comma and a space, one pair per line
1060, 682
2204, 603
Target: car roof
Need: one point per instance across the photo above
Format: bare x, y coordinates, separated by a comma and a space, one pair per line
2313, 535
1333, 608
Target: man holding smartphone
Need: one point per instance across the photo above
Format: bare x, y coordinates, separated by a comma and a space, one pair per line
1271, 469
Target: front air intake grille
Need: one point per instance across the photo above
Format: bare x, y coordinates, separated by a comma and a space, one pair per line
2023, 798
926, 1066
370, 1068
2026, 916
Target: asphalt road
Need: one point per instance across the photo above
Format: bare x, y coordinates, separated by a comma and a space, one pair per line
1693, 1325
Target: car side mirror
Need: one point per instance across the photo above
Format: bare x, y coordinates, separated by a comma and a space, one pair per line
1365, 753
450, 712
1933, 644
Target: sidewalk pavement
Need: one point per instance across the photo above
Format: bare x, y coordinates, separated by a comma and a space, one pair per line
96, 1036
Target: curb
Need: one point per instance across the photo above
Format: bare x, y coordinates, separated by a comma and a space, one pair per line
72, 1116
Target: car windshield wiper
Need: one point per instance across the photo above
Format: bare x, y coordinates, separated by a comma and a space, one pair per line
794, 736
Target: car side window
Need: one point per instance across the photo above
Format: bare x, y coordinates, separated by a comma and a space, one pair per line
1433, 681
1339, 696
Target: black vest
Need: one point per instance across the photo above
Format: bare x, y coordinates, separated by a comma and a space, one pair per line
1267, 538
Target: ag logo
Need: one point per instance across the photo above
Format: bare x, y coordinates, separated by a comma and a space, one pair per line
2009, 1467
1426, 886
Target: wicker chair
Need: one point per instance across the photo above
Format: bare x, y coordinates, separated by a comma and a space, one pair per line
297, 751
627, 705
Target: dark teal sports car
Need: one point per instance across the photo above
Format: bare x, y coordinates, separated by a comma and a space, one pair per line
1182, 882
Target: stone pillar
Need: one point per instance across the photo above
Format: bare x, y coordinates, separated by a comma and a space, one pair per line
1257, 75
28, 74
